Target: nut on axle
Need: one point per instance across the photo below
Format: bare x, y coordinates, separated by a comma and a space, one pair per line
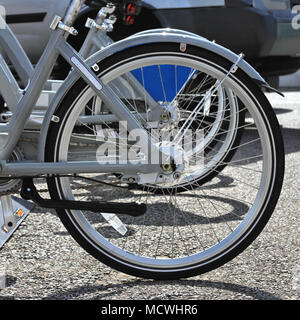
166, 167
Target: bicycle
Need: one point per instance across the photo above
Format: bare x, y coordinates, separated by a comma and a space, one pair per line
105, 124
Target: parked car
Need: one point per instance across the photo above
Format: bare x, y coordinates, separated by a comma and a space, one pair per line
262, 29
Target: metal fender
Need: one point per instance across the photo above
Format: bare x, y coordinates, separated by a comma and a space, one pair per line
150, 36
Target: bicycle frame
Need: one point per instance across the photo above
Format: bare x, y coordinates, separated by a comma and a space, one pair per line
11, 132
22, 102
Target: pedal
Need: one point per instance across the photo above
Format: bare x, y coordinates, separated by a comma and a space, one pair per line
13, 212
29, 192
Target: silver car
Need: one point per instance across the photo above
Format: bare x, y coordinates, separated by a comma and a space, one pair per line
262, 29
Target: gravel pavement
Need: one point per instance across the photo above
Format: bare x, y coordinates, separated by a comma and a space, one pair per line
43, 262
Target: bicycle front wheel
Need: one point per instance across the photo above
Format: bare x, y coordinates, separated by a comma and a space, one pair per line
217, 208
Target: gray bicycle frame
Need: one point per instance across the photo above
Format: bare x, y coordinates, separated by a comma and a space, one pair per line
22, 101
11, 132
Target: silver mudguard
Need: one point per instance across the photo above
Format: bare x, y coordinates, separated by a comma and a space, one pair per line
150, 36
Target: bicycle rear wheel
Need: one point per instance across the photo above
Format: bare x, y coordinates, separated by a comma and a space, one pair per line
216, 209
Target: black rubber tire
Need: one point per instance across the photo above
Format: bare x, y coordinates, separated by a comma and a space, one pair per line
274, 132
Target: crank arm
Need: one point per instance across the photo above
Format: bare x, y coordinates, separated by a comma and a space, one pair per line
29, 192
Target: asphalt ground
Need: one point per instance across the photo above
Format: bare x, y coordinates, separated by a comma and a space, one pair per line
42, 261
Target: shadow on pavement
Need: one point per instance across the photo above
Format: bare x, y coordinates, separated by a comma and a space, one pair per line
76, 292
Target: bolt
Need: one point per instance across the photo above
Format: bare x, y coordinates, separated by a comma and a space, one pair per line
95, 67
131, 180
166, 167
10, 224
182, 47
164, 116
176, 175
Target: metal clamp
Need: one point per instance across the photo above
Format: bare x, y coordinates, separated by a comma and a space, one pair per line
91, 23
106, 26
57, 23
109, 9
